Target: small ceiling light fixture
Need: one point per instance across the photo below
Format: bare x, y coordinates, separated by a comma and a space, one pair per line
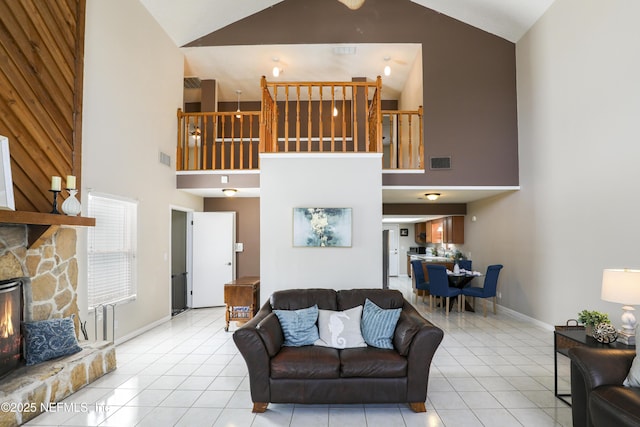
387, 68
276, 70
238, 92
229, 192
432, 196
352, 4
335, 111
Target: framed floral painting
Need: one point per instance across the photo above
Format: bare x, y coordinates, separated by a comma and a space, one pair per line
322, 227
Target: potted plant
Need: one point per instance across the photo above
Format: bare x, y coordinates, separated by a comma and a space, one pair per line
590, 319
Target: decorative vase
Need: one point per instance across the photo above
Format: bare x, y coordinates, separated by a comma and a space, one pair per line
588, 329
456, 268
71, 206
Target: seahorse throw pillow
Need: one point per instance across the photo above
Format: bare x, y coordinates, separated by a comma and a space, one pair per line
340, 329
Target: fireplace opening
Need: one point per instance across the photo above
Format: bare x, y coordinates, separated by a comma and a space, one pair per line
10, 321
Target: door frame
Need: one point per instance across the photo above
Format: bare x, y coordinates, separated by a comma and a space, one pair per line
189, 249
396, 231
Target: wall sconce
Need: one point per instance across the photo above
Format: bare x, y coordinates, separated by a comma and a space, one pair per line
229, 192
432, 196
276, 70
387, 68
238, 92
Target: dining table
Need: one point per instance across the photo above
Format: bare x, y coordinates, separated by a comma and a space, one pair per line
460, 280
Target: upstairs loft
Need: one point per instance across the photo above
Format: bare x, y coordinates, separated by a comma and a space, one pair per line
302, 117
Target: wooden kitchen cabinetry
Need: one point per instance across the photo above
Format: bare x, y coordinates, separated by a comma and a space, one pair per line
421, 232
453, 229
435, 231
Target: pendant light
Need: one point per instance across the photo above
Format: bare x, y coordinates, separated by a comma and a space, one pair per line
387, 68
238, 92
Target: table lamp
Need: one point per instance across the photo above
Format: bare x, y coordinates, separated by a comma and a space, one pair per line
623, 286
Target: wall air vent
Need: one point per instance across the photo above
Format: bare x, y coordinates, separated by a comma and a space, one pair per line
440, 162
191, 83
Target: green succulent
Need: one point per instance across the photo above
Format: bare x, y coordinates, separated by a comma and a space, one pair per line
594, 318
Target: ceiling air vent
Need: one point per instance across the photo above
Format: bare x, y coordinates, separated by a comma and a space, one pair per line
191, 83
440, 162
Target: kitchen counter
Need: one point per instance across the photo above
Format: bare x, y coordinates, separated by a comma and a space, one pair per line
429, 258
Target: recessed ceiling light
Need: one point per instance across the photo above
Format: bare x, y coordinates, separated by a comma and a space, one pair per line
432, 196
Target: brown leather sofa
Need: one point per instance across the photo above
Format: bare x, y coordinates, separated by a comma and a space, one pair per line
598, 397
325, 375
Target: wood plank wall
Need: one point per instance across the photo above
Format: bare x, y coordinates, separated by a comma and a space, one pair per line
41, 71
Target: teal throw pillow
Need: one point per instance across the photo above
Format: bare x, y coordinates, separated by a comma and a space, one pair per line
378, 324
299, 326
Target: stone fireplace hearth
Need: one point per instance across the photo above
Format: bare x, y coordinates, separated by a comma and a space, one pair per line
50, 293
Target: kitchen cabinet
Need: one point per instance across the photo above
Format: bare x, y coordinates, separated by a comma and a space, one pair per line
435, 231
421, 232
453, 229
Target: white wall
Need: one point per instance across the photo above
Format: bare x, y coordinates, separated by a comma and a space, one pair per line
132, 88
577, 210
288, 181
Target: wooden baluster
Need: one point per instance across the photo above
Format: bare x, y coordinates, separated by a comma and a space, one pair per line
309, 120
401, 149
333, 119
214, 140
354, 123
320, 123
298, 118
286, 118
411, 165
421, 141
251, 143
223, 145
368, 129
344, 118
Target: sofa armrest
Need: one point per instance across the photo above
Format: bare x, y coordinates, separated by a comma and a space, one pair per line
592, 368
420, 352
255, 353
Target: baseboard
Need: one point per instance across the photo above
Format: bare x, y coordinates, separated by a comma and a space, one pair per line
525, 317
142, 330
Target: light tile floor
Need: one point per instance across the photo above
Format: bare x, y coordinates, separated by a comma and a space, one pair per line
493, 371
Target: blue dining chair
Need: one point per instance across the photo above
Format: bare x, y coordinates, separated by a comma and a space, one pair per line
488, 290
465, 264
418, 275
439, 286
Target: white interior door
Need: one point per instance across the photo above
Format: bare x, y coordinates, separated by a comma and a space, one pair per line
214, 238
393, 249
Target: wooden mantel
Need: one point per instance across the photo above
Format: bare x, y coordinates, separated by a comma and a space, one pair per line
41, 226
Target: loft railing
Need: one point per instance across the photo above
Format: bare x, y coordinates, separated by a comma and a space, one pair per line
321, 117
218, 140
403, 146
336, 117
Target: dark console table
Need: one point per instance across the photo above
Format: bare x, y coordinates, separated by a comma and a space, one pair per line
567, 337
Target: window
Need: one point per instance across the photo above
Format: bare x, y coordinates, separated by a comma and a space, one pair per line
111, 248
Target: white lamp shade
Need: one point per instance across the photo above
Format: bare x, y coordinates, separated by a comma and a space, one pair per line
621, 286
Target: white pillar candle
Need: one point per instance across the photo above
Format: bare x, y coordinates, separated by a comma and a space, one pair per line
56, 183
71, 182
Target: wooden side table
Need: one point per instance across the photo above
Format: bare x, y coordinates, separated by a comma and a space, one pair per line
241, 298
564, 339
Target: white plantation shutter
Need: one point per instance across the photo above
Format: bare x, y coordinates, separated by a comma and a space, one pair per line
111, 249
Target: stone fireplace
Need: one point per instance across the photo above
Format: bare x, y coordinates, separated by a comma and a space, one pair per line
50, 293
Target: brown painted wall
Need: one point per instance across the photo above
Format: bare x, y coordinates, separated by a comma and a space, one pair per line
247, 229
469, 77
41, 71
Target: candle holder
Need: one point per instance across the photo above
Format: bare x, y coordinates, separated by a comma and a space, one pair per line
55, 202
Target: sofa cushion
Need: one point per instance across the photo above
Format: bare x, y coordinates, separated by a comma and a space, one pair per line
615, 406
407, 327
340, 329
299, 326
372, 362
294, 299
384, 298
633, 378
378, 324
306, 363
271, 333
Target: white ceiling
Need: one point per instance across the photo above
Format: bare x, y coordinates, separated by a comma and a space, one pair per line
240, 67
